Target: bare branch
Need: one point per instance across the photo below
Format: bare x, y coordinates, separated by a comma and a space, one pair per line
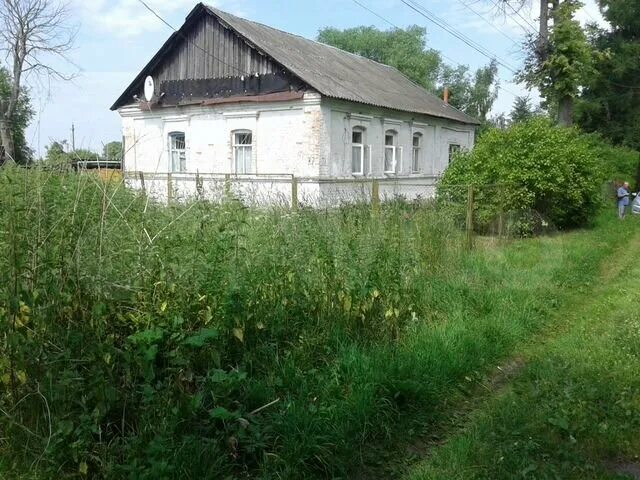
34, 34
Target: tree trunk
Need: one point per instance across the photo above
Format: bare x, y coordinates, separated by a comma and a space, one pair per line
8, 150
543, 38
565, 111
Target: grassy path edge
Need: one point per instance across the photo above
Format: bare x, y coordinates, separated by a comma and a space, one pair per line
459, 454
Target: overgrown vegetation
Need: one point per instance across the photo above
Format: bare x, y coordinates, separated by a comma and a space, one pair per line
573, 411
553, 171
203, 341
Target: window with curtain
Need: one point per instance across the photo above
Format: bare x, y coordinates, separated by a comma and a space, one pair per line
358, 151
177, 152
416, 158
390, 151
243, 152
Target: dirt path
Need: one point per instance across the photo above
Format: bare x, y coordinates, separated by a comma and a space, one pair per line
583, 312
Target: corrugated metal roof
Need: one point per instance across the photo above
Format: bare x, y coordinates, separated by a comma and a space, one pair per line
339, 74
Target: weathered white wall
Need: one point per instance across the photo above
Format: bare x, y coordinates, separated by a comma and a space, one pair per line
309, 137
437, 134
287, 137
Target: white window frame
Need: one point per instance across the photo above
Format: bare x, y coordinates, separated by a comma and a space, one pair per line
394, 153
416, 152
174, 150
237, 147
362, 147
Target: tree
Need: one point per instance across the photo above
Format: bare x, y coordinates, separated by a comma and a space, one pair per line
21, 118
32, 34
523, 110
113, 151
472, 94
610, 102
565, 65
558, 57
405, 50
484, 91
58, 154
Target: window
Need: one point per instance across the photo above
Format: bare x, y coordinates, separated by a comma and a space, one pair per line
417, 153
357, 151
243, 152
453, 151
177, 152
390, 151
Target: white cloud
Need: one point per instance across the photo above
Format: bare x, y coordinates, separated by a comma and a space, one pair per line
130, 18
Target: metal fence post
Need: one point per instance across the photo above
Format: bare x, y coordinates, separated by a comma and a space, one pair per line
294, 193
375, 195
169, 188
470, 207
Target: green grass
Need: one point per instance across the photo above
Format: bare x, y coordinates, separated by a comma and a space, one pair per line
138, 341
574, 411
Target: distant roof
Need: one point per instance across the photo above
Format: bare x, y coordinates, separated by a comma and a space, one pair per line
335, 73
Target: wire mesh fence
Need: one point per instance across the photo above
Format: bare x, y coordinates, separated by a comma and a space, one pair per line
479, 210
280, 189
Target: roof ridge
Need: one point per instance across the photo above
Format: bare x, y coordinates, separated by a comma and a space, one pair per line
218, 11
223, 13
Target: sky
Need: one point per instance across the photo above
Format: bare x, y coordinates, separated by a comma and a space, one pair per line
116, 38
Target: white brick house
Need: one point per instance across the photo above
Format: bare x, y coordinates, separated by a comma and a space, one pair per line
233, 96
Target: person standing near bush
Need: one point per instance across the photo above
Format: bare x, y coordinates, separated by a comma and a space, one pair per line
623, 200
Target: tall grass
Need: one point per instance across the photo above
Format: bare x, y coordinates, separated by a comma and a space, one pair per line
215, 341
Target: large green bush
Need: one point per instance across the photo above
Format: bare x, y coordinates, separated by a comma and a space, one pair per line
618, 163
553, 171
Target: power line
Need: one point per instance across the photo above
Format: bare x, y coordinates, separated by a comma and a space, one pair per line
508, 4
460, 36
484, 19
376, 14
386, 20
157, 15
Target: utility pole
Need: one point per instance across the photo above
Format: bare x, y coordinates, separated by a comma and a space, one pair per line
73, 138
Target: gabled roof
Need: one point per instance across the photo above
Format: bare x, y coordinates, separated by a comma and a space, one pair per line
339, 74
332, 72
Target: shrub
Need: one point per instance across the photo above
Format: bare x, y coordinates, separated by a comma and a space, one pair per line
619, 163
554, 171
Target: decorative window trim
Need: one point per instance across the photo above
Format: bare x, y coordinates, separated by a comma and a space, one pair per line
362, 147
236, 147
359, 117
173, 149
392, 121
416, 151
393, 148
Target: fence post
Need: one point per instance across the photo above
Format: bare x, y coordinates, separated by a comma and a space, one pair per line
227, 185
375, 195
141, 176
199, 187
470, 207
501, 211
169, 188
294, 193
